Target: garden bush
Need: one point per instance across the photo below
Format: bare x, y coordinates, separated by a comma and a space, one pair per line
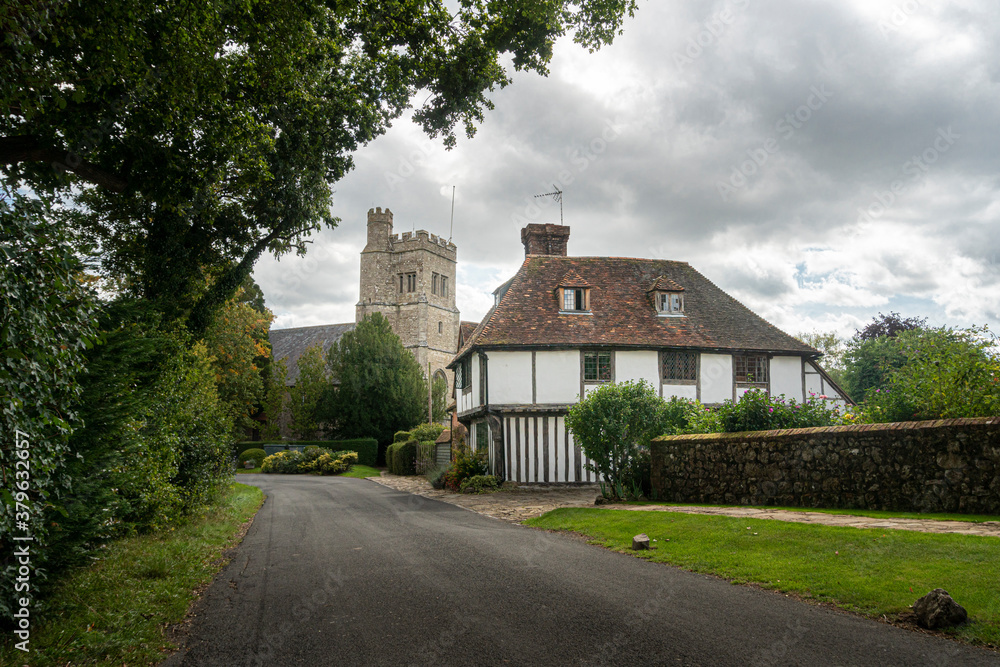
436, 476
613, 424
480, 484
256, 455
467, 464
756, 411
404, 458
426, 432
365, 448
286, 462
401, 436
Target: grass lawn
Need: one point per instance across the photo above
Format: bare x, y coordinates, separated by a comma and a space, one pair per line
871, 571
113, 611
876, 514
361, 472
247, 471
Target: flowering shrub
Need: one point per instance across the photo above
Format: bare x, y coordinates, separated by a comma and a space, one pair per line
467, 464
313, 460
286, 462
756, 411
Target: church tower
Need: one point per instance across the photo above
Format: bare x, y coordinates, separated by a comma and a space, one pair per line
410, 279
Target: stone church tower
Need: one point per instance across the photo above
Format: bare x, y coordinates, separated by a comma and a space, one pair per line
410, 279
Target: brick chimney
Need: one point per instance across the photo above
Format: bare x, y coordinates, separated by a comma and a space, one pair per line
547, 239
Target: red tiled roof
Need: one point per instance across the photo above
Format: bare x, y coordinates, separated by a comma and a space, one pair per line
572, 279
663, 284
622, 314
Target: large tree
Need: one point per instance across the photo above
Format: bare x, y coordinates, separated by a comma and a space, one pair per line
196, 137
381, 388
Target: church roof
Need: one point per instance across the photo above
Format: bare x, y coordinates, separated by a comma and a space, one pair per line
621, 312
289, 344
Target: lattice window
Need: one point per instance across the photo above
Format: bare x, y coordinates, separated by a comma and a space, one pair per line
482, 436
574, 299
597, 367
678, 365
750, 368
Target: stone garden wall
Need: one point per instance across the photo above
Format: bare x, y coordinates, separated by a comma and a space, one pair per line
935, 466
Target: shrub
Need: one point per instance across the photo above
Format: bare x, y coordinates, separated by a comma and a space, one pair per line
286, 462
256, 455
613, 424
309, 461
756, 411
335, 463
366, 449
436, 477
467, 464
404, 458
401, 436
426, 432
308, 447
480, 484
389, 452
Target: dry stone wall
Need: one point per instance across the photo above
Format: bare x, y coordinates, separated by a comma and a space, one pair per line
935, 466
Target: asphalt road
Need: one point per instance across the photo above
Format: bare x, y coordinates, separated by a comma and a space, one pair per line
348, 572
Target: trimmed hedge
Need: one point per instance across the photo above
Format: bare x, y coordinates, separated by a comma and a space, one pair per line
402, 458
255, 454
367, 448
401, 436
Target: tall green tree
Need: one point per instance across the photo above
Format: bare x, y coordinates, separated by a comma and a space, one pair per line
305, 394
194, 138
380, 387
872, 355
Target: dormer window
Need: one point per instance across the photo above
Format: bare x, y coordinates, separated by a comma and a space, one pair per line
573, 294
668, 297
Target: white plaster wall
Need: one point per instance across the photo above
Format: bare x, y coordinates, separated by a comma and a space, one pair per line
510, 377
814, 383
680, 390
637, 365
476, 398
786, 377
716, 377
557, 376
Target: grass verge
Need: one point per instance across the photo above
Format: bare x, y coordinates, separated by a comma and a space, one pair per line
875, 514
247, 471
874, 572
113, 612
361, 472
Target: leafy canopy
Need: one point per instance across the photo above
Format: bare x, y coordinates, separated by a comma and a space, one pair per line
195, 137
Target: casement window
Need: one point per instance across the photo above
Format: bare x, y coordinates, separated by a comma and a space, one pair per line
463, 376
750, 369
482, 436
678, 366
670, 303
407, 282
575, 299
598, 367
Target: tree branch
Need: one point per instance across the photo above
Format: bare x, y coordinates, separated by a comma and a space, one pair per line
24, 148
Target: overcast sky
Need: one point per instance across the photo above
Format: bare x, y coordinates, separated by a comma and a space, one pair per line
820, 161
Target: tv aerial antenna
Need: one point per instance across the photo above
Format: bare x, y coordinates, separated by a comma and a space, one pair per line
557, 196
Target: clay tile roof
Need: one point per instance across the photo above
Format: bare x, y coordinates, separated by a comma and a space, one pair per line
622, 314
289, 344
572, 279
444, 437
664, 284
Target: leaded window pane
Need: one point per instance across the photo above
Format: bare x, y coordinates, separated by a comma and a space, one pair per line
680, 366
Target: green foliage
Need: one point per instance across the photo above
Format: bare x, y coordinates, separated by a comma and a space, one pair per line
480, 484
436, 476
256, 455
426, 432
305, 395
439, 399
757, 411
46, 325
613, 423
868, 364
889, 326
401, 436
209, 132
238, 342
325, 462
285, 462
366, 449
947, 373
467, 464
381, 387
275, 398
403, 459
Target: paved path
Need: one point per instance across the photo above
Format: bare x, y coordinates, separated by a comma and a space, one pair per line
529, 501
339, 571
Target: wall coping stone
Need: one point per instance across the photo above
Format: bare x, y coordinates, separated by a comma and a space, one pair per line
793, 433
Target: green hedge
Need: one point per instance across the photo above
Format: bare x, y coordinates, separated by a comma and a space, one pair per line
367, 448
401, 458
255, 454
